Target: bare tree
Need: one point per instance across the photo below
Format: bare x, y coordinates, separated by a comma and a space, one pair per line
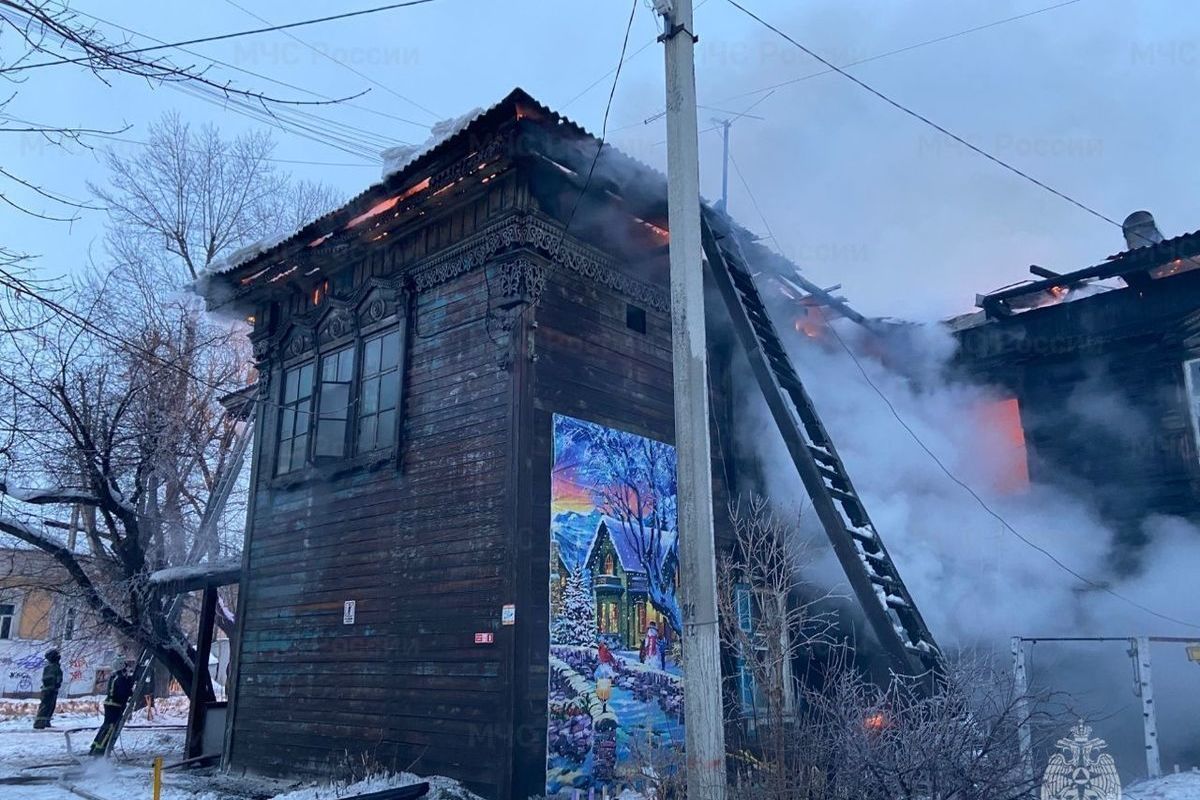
201, 195
769, 618
117, 385
838, 735
45, 34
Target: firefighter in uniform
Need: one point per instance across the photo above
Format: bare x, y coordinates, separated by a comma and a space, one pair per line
120, 689
52, 678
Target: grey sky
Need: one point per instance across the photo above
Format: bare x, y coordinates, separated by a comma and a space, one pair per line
1096, 98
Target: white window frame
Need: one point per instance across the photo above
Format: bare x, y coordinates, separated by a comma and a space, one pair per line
1191, 389
14, 621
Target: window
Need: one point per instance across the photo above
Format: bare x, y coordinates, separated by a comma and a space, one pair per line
379, 392
337, 373
6, 620
1191, 383
69, 624
609, 565
294, 412
635, 318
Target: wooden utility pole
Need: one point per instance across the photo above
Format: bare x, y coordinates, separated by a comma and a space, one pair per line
705, 735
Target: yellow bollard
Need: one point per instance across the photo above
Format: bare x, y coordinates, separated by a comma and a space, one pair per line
157, 777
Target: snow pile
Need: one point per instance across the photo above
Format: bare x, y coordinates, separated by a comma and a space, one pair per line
399, 157
1183, 786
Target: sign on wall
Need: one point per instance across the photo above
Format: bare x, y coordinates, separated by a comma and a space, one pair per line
615, 699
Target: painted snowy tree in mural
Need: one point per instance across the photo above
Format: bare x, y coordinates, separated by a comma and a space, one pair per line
575, 622
632, 480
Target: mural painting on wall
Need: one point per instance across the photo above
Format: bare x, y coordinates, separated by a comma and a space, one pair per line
615, 716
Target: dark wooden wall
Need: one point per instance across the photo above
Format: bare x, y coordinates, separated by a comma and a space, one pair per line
423, 551
1100, 384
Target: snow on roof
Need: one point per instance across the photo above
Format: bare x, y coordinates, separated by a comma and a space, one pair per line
626, 545
198, 573
247, 253
397, 158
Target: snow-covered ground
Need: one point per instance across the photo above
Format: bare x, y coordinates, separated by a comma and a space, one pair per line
35, 764
1184, 786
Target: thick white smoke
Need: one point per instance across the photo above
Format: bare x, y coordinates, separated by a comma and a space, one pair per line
974, 581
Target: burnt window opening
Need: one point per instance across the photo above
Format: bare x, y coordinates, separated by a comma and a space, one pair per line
295, 411
333, 399
1007, 449
379, 392
635, 318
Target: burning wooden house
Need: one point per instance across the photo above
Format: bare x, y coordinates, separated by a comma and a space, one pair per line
1103, 364
462, 373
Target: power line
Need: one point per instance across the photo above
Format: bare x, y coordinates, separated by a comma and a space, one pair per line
936, 40
223, 36
343, 64
318, 129
252, 73
962, 484
878, 56
633, 55
612, 92
984, 505
926, 120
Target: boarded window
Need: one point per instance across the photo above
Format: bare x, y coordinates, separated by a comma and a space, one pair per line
6, 620
379, 392
35, 615
294, 417
337, 375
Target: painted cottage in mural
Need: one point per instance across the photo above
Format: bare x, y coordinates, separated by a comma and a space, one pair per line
446, 377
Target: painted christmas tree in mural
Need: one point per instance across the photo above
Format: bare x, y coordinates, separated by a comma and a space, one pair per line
575, 623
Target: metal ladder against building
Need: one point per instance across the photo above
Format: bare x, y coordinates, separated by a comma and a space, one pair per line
222, 489
873, 576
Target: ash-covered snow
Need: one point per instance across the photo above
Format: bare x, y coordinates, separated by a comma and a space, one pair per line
397, 158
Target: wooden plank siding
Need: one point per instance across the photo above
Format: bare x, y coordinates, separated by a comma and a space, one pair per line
421, 549
433, 543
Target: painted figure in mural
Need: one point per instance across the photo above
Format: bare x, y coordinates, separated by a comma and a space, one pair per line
650, 645
52, 678
605, 656
120, 689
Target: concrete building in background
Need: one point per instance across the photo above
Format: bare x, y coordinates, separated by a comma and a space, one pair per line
39, 611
